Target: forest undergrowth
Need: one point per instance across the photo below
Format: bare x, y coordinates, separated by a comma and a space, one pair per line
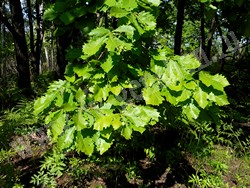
198, 155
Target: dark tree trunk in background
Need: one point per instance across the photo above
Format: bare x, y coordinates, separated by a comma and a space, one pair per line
39, 6
62, 43
179, 26
32, 45
21, 49
202, 29
224, 50
210, 38
51, 45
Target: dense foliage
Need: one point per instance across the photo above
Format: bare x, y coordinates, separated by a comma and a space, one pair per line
115, 90
127, 92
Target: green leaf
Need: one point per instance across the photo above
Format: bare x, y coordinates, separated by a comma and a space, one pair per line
186, 94
69, 107
138, 129
190, 85
191, 111
189, 62
58, 125
154, 2
137, 115
133, 20
79, 121
59, 100
43, 102
66, 139
70, 78
83, 71
116, 45
52, 115
201, 98
118, 12
99, 32
92, 47
67, 18
116, 123
152, 95
101, 93
111, 3
146, 20
108, 64
84, 145
217, 81
116, 90
129, 4
103, 122
80, 96
126, 132
149, 79
57, 85
171, 99
129, 30
221, 100
50, 14
151, 113
174, 72
102, 146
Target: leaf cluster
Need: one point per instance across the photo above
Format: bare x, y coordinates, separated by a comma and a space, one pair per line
122, 83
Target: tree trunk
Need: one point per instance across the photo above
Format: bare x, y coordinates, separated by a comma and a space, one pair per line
62, 43
32, 45
202, 29
179, 26
39, 6
224, 50
21, 49
210, 38
51, 65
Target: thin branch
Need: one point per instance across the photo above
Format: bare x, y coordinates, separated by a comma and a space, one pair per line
5, 21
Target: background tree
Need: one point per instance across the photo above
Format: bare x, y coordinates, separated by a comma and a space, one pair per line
16, 27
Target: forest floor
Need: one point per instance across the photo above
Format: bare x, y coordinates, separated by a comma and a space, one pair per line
167, 168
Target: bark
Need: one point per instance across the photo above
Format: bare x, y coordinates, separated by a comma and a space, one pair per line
210, 38
21, 50
179, 26
39, 6
62, 43
202, 29
32, 45
224, 50
51, 64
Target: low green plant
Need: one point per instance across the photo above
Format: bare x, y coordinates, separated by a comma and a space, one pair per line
205, 180
52, 167
150, 152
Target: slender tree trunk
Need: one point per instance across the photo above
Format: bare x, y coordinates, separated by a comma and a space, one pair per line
179, 26
46, 51
39, 6
21, 49
62, 43
210, 38
224, 50
32, 45
3, 37
51, 65
1, 60
202, 29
